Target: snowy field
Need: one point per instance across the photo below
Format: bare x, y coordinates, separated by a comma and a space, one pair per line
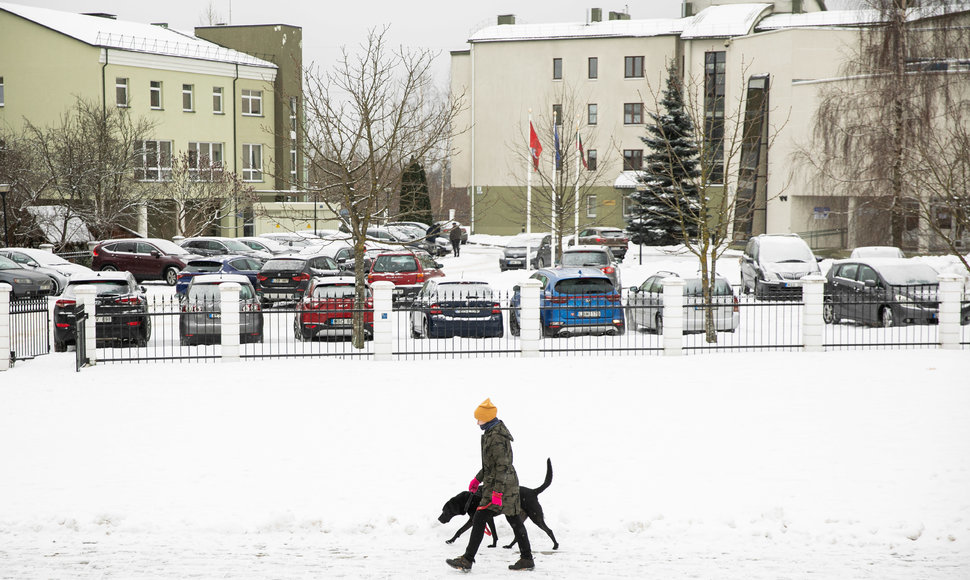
738, 465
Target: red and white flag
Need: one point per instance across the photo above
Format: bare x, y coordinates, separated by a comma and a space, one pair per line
535, 148
582, 154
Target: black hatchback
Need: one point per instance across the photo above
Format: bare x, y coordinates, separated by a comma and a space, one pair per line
283, 279
121, 310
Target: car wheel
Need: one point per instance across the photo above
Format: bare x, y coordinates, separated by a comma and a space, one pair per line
659, 321
171, 275
185, 342
55, 287
828, 313
514, 326
886, 317
109, 268
427, 328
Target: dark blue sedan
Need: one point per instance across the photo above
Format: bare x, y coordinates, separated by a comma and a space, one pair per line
242, 265
446, 308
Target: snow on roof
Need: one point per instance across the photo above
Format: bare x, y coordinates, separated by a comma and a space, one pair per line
725, 21
50, 221
854, 17
133, 36
609, 28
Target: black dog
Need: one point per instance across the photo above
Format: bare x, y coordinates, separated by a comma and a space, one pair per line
466, 503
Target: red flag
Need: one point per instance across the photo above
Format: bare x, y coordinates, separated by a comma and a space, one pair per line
582, 154
535, 148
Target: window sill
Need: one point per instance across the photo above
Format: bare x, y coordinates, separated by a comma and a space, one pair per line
188, 110
250, 115
120, 106
218, 113
157, 108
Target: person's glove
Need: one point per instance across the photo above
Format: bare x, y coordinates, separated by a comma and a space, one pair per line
496, 498
473, 486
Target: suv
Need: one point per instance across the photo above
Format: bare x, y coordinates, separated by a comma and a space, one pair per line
773, 265
646, 301
599, 257
614, 238
539, 247
200, 321
407, 270
882, 292
145, 258
573, 301
219, 246
327, 310
121, 310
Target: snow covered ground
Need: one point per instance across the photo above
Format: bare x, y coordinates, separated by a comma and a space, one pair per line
737, 465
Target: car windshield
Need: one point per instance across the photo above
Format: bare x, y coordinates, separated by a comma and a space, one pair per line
523, 240
611, 233
585, 259
395, 264
8, 264
48, 259
200, 266
280, 265
210, 292
908, 274
580, 286
168, 247
334, 291
694, 288
464, 291
779, 250
237, 246
104, 287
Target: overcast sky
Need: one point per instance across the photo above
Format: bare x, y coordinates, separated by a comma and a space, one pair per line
327, 25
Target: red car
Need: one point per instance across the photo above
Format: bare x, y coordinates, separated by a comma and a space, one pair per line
408, 271
327, 309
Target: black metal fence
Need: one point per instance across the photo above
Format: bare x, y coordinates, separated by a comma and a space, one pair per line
868, 317
29, 328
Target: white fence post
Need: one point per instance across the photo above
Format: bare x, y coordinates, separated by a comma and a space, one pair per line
5, 290
229, 321
529, 325
673, 316
813, 325
950, 291
383, 325
86, 295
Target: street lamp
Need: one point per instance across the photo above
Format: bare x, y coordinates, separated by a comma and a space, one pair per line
4, 190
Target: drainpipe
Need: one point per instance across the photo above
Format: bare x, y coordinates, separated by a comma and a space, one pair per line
104, 94
235, 156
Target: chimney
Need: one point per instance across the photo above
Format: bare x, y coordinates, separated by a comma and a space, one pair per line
100, 15
619, 16
596, 15
506, 19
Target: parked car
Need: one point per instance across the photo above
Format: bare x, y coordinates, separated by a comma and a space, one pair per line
613, 238
773, 264
283, 279
418, 238
600, 257
447, 225
145, 258
445, 308
573, 301
295, 240
59, 269
268, 245
877, 252
242, 265
200, 321
327, 309
538, 246
645, 305
121, 310
219, 246
26, 283
882, 292
407, 270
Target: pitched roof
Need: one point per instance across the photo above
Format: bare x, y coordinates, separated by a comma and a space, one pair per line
131, 36
725, 21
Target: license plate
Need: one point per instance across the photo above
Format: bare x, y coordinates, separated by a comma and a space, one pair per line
466, 311
280, 280
588, 313
516, 262
215, 315
102, 319
341, 321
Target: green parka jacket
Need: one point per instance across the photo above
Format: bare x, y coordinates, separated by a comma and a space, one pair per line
497, 473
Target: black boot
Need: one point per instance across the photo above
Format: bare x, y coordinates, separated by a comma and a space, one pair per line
523, 564
461, 562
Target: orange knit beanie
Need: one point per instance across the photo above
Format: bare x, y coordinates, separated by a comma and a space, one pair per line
486, 411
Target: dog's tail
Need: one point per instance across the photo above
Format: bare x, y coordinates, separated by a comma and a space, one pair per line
548, 480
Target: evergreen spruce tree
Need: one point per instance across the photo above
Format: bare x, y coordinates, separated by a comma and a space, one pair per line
666, 207
415, 201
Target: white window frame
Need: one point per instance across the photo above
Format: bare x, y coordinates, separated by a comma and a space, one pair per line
592, 113
188, 91
154, 158
592, 159
252, 162
591, 205
121, 88
206, 160
217, 102
153, 92
252, 103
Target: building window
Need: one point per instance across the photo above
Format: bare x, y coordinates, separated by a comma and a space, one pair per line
591, 113
557, 114
593, 67
121, 92
205, 161
155, 94
632, 159
633, 67
1, 92
252, 162
154, 160
252, 102
294, 183
217, 100
590, 206
627, 206
632, 113
714, 77
591, 159
557, 69
188, 102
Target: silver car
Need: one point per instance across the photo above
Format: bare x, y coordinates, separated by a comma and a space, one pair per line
599, 257
200, 321
646, 301
59, 269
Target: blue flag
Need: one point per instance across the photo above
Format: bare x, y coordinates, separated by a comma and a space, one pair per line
555, 144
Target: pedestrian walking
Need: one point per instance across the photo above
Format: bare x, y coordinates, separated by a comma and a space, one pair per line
433, 232
455, 237
500, 490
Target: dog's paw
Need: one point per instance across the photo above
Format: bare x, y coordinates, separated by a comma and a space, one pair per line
451, 541
491, 545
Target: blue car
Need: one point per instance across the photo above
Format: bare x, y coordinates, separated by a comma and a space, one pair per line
242, 265
573, 301
445, 308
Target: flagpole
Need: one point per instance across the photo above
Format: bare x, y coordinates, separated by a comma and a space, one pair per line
528, 186
552, 221
579, 155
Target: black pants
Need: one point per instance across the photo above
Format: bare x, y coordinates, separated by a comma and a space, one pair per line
478, 532
455, 246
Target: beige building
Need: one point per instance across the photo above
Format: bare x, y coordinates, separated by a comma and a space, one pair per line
217, 103
763, 62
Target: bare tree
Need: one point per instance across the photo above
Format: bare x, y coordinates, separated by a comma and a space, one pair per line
364, 121
210, 16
